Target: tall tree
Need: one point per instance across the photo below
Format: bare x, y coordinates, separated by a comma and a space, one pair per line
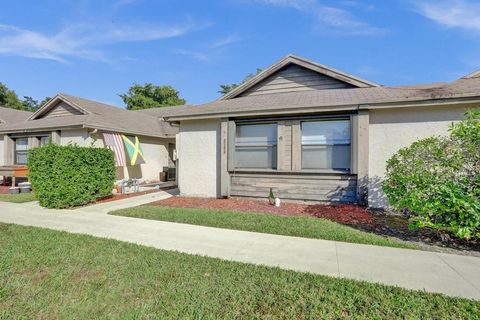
151, 96
226, 88
9, 99
30, 104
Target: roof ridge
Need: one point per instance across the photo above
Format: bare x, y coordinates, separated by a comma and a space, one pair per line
304, 63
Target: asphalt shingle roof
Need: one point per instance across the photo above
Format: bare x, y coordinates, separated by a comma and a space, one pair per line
101, 116
329, 98
8, 115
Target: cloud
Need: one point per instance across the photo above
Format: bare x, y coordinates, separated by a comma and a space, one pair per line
197, 55
214, 49
225, 41
84, 41
337, 20
461, 14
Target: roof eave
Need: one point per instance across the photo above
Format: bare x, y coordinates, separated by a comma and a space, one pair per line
48, 128
332, 108
134, 132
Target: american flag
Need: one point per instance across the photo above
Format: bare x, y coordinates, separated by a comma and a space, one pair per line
114, 142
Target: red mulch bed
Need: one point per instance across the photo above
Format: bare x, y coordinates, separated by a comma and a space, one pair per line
4, 189
342, 213
352, 215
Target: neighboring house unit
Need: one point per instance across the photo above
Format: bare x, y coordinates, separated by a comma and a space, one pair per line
309, 132
66, 119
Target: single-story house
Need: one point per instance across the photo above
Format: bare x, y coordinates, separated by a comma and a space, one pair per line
309, 132
67, 119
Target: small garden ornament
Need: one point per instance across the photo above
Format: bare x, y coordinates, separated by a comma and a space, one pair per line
271, 197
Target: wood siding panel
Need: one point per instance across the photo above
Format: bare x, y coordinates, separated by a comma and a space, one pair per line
295, 78
61, 110
314, 187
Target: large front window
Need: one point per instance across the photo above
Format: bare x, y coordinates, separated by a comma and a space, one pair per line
256, 146
326, 144
21, 149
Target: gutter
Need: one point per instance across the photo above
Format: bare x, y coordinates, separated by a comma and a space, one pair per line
103, 128
38, 129
348, 107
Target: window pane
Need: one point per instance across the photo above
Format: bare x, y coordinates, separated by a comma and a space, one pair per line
21, 144
21, 157
255, 146
326, 132
256, 157
256, 134
44, 140
326, 157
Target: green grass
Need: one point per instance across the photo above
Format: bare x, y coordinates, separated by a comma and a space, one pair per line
46, 274
18, 198
298, 226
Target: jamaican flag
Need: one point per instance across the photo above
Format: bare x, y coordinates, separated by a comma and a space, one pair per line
134, 151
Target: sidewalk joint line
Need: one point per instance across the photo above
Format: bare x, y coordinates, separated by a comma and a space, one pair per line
459, 274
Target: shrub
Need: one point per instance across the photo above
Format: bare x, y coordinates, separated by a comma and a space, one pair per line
437, 180
68, 176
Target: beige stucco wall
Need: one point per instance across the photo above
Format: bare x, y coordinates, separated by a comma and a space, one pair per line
392, 129
156, 157
76, 136
155, 151
198, 146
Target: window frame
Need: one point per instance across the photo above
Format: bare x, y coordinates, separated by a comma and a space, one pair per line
273, 146
326, 170
16, 151
40, 137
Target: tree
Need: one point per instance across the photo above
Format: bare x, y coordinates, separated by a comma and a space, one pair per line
30, 104
9, 99
44, 101
151, 96
226, 88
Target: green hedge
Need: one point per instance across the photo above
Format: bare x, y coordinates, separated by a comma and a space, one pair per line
68, 176
437, 180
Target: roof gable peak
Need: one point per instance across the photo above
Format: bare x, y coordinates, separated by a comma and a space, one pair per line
54, 102
304, 63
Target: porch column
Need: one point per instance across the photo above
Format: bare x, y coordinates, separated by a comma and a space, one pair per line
224, 161
8, 150
360, 153
56, 137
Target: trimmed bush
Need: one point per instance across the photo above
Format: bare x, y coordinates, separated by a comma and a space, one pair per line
437, 180
69, 176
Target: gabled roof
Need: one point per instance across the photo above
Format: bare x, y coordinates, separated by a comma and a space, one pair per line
314, 101
8, 115
475, 74
305, 63
94, 115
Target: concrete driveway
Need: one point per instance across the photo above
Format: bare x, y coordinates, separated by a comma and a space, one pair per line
449, 274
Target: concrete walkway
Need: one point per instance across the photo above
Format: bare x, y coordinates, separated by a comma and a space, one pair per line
452, 275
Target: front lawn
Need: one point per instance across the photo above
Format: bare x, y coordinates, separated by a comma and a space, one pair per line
18, 198
47, 274
298, 226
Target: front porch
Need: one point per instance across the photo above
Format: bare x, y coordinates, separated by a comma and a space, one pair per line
10, 174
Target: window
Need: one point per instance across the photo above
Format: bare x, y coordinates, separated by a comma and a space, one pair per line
256, 146
44, 140
326, 144
21, 148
